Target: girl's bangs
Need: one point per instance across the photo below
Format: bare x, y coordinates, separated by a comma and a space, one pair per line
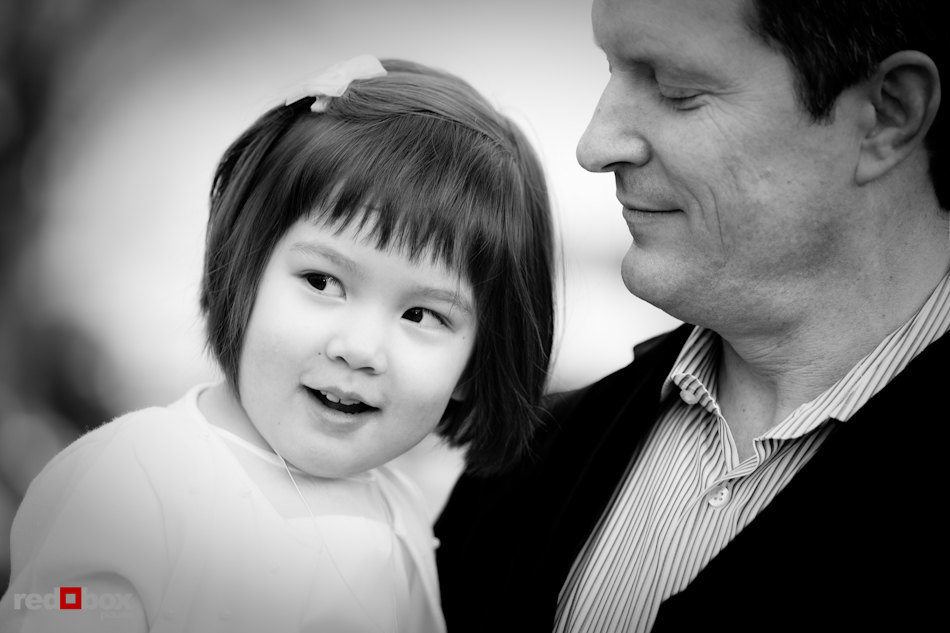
429, 200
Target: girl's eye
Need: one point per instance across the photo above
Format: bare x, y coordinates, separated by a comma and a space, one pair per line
324, 284
425, 317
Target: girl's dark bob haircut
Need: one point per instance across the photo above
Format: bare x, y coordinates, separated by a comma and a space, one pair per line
422, 161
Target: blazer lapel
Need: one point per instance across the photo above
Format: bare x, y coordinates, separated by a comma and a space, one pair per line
600, 432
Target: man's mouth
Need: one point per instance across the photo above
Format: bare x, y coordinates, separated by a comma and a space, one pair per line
338, 403
650, 211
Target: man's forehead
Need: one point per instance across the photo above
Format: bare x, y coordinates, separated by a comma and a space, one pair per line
671, 31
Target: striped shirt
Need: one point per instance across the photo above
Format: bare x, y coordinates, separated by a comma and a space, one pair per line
686, 495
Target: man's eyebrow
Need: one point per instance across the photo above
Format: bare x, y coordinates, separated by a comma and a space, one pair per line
322, 250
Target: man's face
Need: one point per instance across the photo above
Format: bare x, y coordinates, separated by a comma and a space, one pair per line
738, 203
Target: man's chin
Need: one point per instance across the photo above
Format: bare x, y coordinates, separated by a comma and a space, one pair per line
645, 279
635, 274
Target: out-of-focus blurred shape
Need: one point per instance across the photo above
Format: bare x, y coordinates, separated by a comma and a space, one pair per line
45, 362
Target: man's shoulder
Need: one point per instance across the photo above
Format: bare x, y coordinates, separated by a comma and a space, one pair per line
652, 360
662, 342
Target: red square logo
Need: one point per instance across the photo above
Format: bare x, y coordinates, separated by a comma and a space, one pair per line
70, 597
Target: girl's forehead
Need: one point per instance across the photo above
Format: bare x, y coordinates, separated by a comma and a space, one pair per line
416, 239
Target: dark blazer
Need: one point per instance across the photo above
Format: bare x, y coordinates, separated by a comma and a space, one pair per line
855, 542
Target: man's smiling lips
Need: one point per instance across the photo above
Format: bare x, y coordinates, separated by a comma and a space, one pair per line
630, 206
632, 214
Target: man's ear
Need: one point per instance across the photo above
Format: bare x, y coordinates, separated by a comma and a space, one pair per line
905, 94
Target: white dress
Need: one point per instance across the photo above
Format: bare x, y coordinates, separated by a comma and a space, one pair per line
169, 523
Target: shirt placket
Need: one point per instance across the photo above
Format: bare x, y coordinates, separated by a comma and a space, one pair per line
717, 472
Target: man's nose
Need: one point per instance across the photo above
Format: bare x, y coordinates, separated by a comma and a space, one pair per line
613, 137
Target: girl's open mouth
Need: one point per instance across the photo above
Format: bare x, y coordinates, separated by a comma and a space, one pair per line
338, 404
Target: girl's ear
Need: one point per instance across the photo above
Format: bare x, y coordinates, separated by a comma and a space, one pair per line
905, 94
461, 390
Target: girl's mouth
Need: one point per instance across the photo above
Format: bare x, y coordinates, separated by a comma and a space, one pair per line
332, 401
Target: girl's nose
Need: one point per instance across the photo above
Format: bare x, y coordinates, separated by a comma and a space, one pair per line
360, 343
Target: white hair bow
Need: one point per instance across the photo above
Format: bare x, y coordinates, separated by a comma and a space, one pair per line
334, 81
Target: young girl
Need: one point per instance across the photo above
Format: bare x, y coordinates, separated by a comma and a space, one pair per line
378, 267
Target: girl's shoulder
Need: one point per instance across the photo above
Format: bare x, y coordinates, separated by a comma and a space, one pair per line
409, 504
153, 430
134, 454
394, 481
412, 523
115, 502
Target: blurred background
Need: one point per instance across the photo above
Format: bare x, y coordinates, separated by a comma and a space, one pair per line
113, 114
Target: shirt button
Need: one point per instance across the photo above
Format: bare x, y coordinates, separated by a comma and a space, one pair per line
721, 497
689, 397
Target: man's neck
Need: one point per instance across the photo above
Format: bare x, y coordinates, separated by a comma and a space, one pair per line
763, 378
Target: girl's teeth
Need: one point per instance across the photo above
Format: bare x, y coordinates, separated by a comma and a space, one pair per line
333, 398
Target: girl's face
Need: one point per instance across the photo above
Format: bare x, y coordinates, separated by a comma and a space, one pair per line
351, 353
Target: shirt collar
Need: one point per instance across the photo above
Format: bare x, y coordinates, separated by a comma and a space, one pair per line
873, 372
695, 372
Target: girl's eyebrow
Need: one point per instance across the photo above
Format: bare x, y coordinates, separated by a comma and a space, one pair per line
322, 250
456, 299
316, 249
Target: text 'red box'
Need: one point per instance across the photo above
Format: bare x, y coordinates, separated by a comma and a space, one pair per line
75, 593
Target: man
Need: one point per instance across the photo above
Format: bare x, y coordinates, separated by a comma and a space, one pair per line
775, 464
